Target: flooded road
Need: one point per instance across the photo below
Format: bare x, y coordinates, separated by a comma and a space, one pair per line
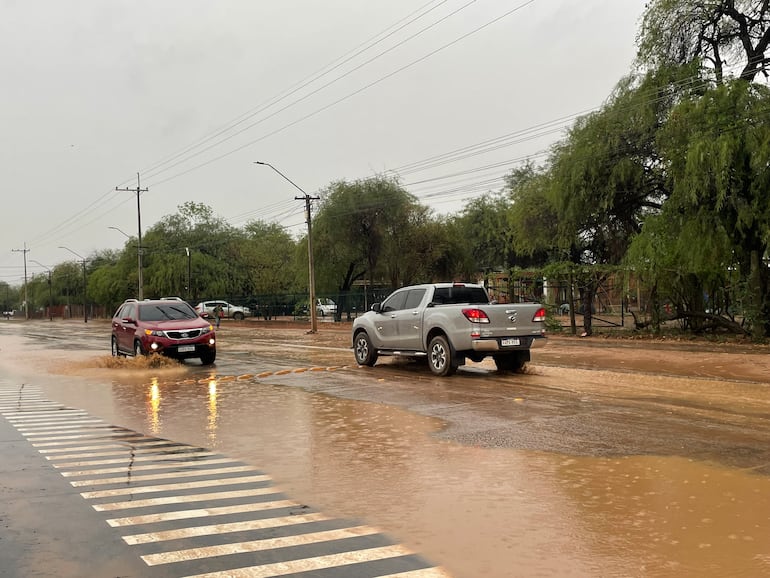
656, 464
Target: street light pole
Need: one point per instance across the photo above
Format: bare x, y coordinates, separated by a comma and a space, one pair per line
311, 266
50, 290
189, 271
85, 301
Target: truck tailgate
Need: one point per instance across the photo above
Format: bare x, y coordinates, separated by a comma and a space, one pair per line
511, 318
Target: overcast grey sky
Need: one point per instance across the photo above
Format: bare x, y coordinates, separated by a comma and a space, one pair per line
189, 93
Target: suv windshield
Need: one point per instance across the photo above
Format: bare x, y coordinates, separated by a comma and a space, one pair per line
166, 311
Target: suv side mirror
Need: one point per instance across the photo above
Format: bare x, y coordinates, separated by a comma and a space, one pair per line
376, 307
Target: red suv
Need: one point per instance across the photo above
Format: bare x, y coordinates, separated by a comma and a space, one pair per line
167, 326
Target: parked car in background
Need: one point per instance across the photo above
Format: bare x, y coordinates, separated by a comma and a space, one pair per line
324, 307
237, 312
170, 327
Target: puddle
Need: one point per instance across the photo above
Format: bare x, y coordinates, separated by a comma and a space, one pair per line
476, 509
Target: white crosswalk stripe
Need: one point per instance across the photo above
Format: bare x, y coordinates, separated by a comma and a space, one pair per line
239, 512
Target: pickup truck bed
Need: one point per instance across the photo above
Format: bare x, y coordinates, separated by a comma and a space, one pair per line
447, 323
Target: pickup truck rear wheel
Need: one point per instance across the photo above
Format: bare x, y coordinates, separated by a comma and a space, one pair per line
441, 359
511, 361
365, 353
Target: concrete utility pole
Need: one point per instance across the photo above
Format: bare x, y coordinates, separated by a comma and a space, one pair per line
311, 266
138, 190
26, 301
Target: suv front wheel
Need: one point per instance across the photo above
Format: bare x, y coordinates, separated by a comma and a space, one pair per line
208, 357
138, 349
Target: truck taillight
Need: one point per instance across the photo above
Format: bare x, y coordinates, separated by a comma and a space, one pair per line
475, 316
539, 315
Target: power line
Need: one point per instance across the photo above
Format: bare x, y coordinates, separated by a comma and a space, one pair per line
327, 69
352, 94
308, 95
460, 155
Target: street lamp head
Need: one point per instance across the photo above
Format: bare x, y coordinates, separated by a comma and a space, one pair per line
121, 231
78, 255
39, 263
287, 179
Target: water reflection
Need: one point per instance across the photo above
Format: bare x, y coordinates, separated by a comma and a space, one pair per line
153, 407
164, 397
211, 427
479, 511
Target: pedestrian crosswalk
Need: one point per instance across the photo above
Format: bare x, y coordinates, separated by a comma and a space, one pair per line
195, 512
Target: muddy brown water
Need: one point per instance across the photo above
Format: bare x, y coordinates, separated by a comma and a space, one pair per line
604, 460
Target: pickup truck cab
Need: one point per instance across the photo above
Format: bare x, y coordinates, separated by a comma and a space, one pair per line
447, 323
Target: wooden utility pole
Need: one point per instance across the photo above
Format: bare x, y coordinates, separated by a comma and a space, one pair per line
310, 261
138, 190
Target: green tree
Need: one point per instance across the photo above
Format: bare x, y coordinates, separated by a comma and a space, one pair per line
715, 32
269, 259
107, 285
362, 232
607, 176
719, 145
532, 217
9, 296
215, 255
485, 224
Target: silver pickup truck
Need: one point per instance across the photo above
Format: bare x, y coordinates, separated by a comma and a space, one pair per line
447, 323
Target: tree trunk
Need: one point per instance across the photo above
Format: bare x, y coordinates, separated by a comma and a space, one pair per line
756, 298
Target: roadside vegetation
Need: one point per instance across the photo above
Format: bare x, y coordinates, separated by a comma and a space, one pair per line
666, 184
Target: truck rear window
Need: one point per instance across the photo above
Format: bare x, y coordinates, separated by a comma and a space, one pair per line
460, 294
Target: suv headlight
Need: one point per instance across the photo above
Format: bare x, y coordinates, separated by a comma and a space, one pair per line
208, 329
155, 332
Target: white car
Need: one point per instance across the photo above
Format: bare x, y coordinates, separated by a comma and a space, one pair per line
324, 307
206, 309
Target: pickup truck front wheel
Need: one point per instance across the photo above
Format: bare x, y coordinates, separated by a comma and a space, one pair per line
365, 353
441, 360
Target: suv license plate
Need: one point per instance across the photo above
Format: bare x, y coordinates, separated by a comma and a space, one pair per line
509, 342
186, 348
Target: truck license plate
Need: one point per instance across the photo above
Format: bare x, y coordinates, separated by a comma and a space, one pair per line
186, 348
510, 341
